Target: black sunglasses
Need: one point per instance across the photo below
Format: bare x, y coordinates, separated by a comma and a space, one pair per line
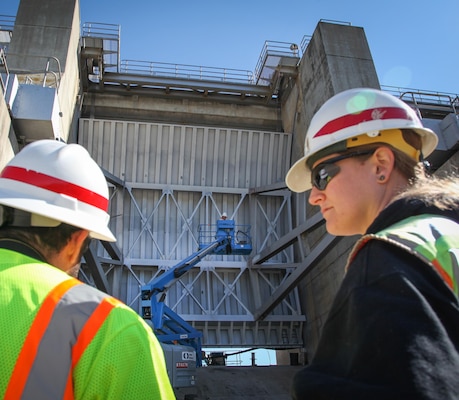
322, 173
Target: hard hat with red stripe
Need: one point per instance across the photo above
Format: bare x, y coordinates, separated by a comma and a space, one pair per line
58, 182
354, 118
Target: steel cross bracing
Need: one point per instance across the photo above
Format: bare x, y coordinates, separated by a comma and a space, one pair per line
219, 294
170, 180
232, 290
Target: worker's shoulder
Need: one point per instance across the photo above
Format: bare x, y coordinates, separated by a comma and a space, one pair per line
112, 303
123, 321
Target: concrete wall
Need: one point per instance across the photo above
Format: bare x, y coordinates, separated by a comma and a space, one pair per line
50, 34
194, 110
241, 383
69, 89
41, 32
328, 66
6, 148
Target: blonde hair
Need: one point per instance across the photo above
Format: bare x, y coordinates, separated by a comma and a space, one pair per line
437, 191
408, 167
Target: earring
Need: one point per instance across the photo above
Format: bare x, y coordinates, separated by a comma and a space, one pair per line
382, 177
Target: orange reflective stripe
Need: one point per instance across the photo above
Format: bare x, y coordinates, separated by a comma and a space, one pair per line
90, 329
446, 277
29, 349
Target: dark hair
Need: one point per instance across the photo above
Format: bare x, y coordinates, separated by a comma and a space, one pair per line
43, 238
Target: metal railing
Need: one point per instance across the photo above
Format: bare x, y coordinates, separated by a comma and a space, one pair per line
100, 30
334, 21
185, 71
273, 48
110, 35
305, 42
31, 76
208, 233
7, 22
34, 76
4, 72
424, 97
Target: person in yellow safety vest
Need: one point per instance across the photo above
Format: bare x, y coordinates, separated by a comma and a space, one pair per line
60, 338
392, 330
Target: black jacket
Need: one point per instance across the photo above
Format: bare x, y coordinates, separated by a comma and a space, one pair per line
393, 329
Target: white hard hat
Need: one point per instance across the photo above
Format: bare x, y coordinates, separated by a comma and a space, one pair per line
224, 214
353, 118
60, 182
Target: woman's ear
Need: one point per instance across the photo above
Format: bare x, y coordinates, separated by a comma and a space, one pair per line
384, 160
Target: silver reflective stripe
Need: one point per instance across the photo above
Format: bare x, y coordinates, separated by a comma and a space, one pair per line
51, 368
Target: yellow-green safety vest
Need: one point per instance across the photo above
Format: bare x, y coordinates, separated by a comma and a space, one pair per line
431, 238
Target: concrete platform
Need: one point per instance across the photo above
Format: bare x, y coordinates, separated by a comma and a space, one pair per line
241, 383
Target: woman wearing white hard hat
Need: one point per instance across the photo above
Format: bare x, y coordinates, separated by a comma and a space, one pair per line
392, 330
60, 338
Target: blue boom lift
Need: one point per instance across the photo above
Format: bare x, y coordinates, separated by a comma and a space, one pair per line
168, 326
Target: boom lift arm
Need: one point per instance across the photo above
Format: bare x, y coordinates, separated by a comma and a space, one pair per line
168, 326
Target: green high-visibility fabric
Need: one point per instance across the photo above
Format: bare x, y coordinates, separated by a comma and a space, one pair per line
432, 238
123, 361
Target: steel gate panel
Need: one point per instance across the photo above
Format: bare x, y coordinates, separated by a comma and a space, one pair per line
176, 178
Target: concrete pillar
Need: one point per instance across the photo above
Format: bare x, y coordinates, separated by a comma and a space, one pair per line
6, 147
42, 30
337, 58
328, 66
46, 38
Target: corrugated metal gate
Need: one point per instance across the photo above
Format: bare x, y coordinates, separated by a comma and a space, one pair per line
177, 178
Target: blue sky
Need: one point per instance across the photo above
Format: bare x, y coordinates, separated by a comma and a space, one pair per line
263, 357
413, 42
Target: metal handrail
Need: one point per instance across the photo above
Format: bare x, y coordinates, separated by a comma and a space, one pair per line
7, 22
4, 66
305, 42
57, 75
101, 30
286, 49
417, 96
334, 21
283, 49
110, 35
186, 71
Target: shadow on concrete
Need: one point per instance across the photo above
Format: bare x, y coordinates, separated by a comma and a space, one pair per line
241, 383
